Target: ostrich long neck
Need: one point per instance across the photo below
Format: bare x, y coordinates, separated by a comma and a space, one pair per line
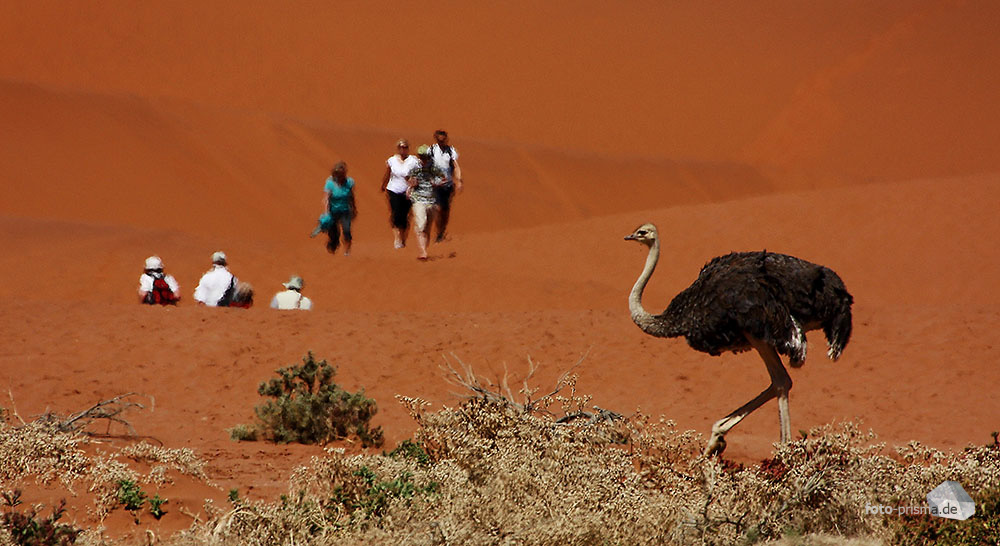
653, 325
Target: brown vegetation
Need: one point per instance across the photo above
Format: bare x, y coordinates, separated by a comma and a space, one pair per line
494, 471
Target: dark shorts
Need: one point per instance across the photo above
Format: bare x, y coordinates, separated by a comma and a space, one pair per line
399, 210
443, 195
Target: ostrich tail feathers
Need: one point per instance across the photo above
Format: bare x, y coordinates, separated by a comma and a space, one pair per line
838, 331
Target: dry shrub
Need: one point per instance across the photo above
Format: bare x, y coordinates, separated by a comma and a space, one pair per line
42, 451
183, 460
498, 474
496, 471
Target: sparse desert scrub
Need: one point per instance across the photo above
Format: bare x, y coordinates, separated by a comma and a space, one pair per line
495, 472
492, 470
47, 451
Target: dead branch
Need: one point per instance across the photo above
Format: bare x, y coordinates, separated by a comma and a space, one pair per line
468, 380
501, 393
109, 410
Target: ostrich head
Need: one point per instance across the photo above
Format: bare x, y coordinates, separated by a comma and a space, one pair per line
645, 234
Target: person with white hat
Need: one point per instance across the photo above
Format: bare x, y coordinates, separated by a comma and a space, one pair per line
156, 287
292, 297
217, 287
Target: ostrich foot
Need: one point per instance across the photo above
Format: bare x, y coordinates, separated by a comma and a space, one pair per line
715, 446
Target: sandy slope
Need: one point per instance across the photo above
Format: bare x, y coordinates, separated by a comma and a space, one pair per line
858, 138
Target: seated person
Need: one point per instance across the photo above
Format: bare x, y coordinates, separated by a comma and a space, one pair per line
292, 297
155, 287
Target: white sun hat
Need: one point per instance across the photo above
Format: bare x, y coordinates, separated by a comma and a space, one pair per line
294, 283
154, 262
219, 257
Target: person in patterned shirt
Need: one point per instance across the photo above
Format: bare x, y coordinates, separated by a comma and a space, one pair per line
423, 180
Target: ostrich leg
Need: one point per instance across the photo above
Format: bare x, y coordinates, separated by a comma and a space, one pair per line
781, 383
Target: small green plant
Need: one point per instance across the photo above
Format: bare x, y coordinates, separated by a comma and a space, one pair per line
130, 495
29, 529
408, 449
234, 495
376, 495
306, 406
156, 506
243, 433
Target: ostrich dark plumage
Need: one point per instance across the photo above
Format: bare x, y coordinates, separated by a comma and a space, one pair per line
750, 300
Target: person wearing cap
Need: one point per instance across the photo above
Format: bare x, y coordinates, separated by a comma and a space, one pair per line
339, 203
217, 287
292, 297
446, 158
394, 185
156, 287
423, 180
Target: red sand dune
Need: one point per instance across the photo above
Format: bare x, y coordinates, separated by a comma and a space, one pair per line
859, 137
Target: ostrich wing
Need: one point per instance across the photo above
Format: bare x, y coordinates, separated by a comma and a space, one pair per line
734, 296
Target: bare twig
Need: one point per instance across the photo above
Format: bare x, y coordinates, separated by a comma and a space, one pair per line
560, 383
468, 380
501, 393
13, 407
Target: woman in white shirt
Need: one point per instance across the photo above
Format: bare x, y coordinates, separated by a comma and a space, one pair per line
394, 184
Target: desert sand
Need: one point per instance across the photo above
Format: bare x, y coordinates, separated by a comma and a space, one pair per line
860, 137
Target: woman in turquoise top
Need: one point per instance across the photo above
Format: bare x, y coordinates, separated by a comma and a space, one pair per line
340, 206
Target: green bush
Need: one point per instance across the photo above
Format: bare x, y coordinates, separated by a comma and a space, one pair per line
306, 406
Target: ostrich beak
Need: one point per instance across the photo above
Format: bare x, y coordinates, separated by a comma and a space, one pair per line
630, 237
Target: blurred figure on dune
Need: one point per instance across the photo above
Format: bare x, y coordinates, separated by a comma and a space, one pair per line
292, 297
341, 209
220, 288
156, 287
423, 180
446, 158
394, 185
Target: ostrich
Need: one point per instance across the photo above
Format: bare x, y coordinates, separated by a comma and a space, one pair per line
749, 300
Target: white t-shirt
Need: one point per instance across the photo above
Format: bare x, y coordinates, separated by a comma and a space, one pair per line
291, 299
213, 285
398, 171
443, 160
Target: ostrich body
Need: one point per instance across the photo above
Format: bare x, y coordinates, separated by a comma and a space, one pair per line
750, 300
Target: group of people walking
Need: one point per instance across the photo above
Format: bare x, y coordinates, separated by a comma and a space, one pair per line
421, 186
218, 287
